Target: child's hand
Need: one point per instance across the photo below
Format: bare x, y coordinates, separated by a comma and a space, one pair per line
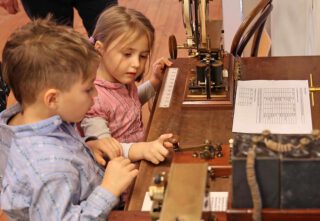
109, 147
118, 175
158, 71
156, 151
171, 141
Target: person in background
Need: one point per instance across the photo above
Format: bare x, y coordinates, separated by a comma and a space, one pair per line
61, 11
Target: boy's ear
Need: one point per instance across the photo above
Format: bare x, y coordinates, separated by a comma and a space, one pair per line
99, 46
51, 98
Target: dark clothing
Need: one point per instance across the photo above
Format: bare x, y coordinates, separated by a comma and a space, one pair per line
62, 10
4, 92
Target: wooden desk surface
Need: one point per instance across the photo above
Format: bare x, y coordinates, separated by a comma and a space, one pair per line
194, 125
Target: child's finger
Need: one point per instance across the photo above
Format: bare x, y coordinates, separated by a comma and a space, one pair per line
116, 147
167, 144
134, 173
110, 147
100, 160
110, 152
125, 162
130, 167
164, 137
154, 160
167, 62
164, 152
163, 63
171, 141
159, 157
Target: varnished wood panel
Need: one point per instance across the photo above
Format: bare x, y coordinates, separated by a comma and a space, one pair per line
193, 125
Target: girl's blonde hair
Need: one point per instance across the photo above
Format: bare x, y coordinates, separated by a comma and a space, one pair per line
120, 21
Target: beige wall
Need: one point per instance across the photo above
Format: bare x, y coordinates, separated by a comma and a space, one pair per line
232, 17
295, 27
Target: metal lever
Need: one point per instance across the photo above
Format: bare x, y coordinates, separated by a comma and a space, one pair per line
312, 89
207, 150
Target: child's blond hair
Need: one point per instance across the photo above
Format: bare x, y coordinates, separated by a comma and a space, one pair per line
120, 21
42, 55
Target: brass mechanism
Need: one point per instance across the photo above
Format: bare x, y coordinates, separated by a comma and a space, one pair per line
205, 151
156, 192
194, 15
312, 89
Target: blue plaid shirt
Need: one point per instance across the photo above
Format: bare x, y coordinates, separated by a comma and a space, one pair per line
47, 173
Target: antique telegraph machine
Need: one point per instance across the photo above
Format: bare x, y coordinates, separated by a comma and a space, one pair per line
191, 87
196, 103
208, 80
200, 81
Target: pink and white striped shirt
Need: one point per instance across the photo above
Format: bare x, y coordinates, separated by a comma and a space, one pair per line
120, 108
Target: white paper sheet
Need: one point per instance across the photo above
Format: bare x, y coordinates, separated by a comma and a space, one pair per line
216, 201
282, 107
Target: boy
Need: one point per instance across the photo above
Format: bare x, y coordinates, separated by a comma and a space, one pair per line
48, 173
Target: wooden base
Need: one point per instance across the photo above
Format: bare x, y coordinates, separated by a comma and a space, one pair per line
194, 125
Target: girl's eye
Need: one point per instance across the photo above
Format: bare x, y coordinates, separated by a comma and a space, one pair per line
127, 54
143, 56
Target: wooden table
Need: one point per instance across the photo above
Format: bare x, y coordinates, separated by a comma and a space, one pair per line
194, 125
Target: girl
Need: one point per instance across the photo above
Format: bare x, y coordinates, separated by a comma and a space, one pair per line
124, 38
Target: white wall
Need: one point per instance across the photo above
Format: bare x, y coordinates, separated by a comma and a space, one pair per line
295, 27
232, 18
